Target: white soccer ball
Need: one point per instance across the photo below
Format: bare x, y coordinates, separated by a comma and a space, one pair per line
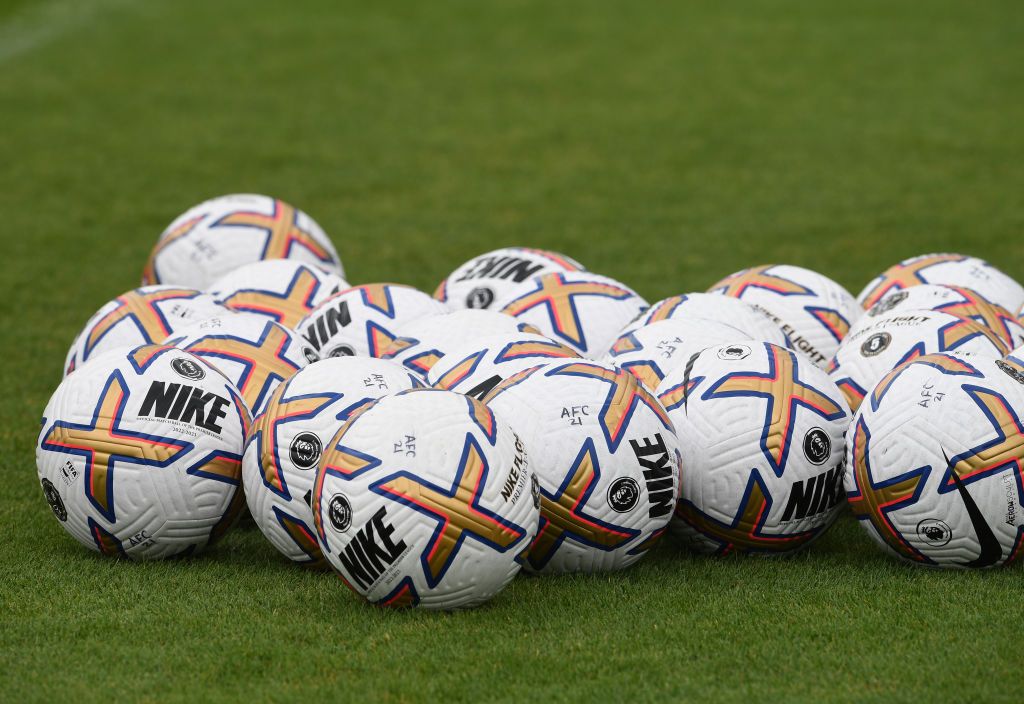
877, 344
813, 311
607, 459
286, 440
477, 366
496, 275
949, 270
422, 343
364, 320
755, 324
140, 453
255, 353
221, 234
284, 290
934, 458
425, 499
654, 351
579, 309
761, 433
143, 316
955, 300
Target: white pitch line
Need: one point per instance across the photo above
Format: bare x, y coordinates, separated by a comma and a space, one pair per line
42, 23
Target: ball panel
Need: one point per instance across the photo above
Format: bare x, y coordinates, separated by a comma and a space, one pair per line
878, 344
476, 366
754, 324
280, 289
143, 316
655, 350
255, 353
947, 269
814, 312
422, 343
953, 300
581, 310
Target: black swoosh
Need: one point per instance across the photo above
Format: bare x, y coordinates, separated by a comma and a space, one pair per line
686, 381
991, 550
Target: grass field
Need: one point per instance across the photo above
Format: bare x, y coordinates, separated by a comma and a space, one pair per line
663, 143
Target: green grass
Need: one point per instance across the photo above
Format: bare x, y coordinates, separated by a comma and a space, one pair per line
662, 143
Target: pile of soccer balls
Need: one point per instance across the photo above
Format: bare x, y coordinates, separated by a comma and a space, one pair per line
531, 414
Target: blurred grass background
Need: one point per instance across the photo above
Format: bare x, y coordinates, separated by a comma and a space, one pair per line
663, 143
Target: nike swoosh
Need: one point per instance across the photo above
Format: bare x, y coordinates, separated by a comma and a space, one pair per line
991, 550
686, 382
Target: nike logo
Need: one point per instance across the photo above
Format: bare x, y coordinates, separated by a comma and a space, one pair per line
991, 550
686, 382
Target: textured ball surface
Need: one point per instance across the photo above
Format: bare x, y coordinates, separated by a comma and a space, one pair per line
949, 270
655, 350
477, 366
140, 453
706, 306
286, 441
255, 353
813, 311
582, 310
877, 344
607, 459
422, 343
283, 290
954, 300
222, 234
365, 320
934, 461
499, 274
144, 316
761, 433
425, 499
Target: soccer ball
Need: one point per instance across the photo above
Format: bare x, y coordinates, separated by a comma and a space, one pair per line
954, 300
934, 461
477, 366
144, 316
706, 306
286, 440
813, 311
949, 270
140, 453
655, 350
877, 344
423, 342
761, 432
582, 310
364, 320
220, 235
607, 459
255, 353
497, 275
425, 499
282, 289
